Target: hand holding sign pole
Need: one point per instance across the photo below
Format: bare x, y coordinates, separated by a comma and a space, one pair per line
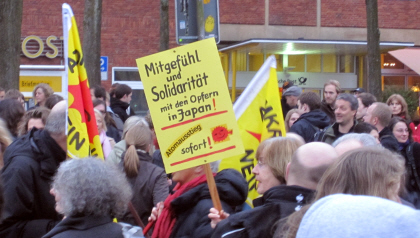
190, 105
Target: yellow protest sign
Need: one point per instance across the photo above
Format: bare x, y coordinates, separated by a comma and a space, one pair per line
190, 105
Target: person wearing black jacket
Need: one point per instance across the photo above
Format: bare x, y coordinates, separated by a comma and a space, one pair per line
379, 115
332, 89
306, 168
89, 193
121, 102
187, 208
410, 150
29, 165
289, 99
312, 119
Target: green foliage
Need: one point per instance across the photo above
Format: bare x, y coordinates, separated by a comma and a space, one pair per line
412, 99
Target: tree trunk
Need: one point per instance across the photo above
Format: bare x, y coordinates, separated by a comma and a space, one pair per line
10, 28
164, 25
92, 40
374, 55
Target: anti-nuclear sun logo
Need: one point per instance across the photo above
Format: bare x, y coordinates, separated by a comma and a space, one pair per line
220, 133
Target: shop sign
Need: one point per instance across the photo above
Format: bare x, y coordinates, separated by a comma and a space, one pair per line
28, 83
35, 46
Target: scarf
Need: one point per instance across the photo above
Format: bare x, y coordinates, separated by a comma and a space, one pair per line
401, 146
167, 219
106, 146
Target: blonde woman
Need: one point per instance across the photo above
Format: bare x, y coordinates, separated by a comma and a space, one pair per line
40, 94
273, 157
106, 142
290, 118
5, 140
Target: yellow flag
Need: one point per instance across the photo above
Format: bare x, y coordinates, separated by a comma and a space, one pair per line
82, 133
259, 115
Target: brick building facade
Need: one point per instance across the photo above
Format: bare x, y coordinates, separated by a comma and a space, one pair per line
130, 28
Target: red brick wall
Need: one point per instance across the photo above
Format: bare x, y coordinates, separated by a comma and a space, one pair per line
400, 14
130, 29
292, 12
348, 13
242, 12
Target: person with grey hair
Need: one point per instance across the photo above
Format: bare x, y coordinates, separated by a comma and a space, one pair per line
89, 193
353, 141
345, 111
29, 165
289, 99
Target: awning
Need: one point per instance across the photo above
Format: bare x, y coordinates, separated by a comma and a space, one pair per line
410, 57
298, 47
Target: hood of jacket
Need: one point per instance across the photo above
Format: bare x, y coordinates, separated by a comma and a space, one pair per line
117, 103
316, 117
283, 193
334, 216
41, 147
231, 186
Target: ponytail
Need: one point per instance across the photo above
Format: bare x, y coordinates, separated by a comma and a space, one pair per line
137, 137
131, 162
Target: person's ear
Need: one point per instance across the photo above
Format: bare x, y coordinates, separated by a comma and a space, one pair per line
375, 120
148, 147
287, 171
199, 169
306, 107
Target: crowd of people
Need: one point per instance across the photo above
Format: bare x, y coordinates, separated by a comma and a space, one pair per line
348, 166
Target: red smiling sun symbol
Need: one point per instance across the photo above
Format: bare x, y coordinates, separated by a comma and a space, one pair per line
220, 133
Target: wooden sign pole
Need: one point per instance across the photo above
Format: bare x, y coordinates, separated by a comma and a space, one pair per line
212, 188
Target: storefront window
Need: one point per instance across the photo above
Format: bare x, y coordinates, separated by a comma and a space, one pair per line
394, 82
298, 62
313, 63
329, 63
389, 62
279, 59
255, 61
127, 76
139, 103
131, 77
346, 64
241, 61
414, 83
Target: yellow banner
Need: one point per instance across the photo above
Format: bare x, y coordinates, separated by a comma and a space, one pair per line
260, 117
82, 133
190, 105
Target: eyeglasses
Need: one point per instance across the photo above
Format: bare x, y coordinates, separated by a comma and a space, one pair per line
260, 163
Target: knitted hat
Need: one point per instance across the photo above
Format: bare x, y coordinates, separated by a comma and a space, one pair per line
358, 90
293, 91
348, 216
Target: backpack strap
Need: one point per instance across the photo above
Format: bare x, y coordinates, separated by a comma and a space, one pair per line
410, 157
317, 130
